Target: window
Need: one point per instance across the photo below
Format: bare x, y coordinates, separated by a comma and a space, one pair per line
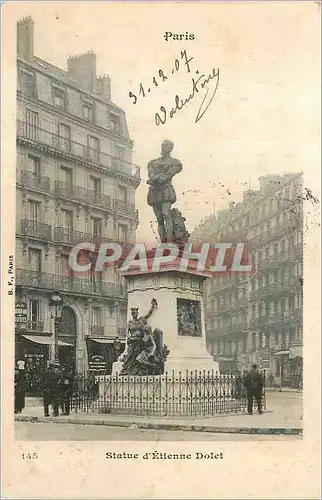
93, 146
122, 193
34, 312
65, 267
64, 133
31, 125
67, 220
34, 259
97, 316
88, 110
95, 184
34, 210
59, 97
115, 123
96, 228
34, 164
123, 233
66, 175
27, 82
119, 158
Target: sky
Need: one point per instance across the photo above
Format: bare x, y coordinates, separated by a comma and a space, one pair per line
264, 118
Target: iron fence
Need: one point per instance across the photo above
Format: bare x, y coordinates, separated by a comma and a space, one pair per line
172, 394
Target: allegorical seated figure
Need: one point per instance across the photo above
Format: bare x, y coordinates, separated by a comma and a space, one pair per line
145, 353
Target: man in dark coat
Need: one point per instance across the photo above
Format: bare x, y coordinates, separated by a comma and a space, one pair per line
19, 391
50, 389
254, 383
66, 390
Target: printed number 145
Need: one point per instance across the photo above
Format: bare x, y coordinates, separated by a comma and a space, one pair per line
29, 456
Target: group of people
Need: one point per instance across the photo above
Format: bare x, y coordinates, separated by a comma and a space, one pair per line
57, 390
56, 387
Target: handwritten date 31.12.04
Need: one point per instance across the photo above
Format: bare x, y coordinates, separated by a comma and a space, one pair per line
199, 82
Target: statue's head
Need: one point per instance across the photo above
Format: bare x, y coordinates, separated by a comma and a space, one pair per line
135, 312
166, 147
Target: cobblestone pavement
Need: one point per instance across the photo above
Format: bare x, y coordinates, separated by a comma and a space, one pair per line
26, 431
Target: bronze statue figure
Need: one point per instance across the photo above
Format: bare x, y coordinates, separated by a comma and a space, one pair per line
161, 193
145, 353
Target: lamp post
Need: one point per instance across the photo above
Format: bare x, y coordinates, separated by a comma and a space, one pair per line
56, 305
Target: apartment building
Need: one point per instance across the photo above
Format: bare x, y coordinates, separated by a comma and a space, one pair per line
257, 317
75, 183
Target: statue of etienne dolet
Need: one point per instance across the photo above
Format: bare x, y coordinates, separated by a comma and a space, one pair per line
161, 195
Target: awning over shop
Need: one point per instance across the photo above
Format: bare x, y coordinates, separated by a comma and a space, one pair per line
281, 353
296, 352
44, 340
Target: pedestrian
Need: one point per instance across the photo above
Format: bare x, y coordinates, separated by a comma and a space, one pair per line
20, 391
254, 384
66, 391
50, 390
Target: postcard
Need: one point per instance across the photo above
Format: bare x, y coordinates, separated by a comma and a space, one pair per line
160, 249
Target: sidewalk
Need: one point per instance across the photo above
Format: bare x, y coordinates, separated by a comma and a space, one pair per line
270, 422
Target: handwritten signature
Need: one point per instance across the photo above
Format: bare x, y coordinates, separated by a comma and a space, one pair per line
198, 83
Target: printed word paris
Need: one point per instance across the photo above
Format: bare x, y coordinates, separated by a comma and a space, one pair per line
168, 35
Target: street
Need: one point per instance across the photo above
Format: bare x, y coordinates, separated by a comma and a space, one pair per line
26, 431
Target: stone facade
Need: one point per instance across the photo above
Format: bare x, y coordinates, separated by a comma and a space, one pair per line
258, 318
75, 183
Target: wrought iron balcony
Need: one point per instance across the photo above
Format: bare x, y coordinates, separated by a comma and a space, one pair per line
230, 329
277, 318
71, 237
97, 330
35, 229
35, 326
64, 146
126, 208
33, 180
37, 279
78, 193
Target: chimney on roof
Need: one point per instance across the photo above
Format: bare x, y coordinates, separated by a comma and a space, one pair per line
25, 39
104, 86
82, 69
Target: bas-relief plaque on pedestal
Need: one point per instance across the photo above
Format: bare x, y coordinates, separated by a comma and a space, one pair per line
189, 318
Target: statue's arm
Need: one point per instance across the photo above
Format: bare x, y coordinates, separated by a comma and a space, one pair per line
171, 172
152, 174
153, 306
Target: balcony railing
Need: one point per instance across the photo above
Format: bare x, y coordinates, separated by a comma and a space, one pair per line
124, 207
277, 317
75, 149
33, 180
97, 330
78, 193
275, 288
71, 237
35, 326
35, 279
35, 229
229, 329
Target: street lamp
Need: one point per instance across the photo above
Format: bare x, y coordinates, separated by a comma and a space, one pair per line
56, 305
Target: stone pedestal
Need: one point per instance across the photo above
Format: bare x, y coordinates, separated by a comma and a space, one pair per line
180, 297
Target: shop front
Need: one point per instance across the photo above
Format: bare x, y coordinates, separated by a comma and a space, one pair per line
35, 351
102, 353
